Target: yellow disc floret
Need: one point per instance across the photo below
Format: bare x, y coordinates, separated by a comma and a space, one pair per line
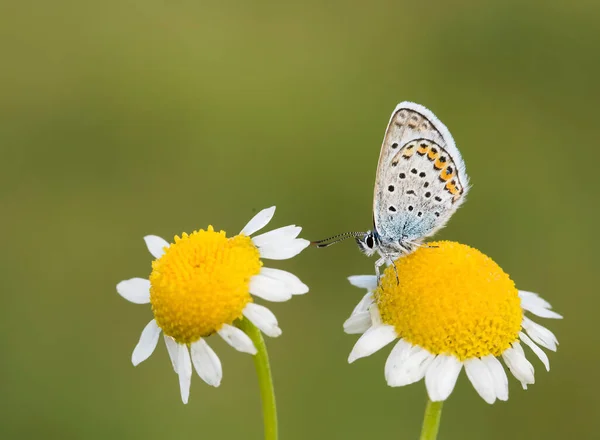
451, 299
201, 283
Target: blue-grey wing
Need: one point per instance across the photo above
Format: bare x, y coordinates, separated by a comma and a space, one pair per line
421, 178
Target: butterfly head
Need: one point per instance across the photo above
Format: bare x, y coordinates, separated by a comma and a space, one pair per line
368, 243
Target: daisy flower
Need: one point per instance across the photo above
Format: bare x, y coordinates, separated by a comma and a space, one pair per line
450, 307
203, 283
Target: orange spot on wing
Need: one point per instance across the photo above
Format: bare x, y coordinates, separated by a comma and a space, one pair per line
423, 149
409, 150
452, 188
445, 175
439, 163
433, 154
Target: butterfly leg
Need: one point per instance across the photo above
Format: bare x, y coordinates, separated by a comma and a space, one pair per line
389, 262
378, 264
395, 270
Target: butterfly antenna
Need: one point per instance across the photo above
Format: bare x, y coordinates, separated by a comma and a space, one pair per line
335, 239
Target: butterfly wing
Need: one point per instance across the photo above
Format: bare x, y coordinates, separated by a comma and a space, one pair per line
421, 178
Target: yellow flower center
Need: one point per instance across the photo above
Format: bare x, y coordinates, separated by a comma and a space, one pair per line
451, 299
201, 283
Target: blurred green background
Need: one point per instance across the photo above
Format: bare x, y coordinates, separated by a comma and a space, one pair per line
125, 118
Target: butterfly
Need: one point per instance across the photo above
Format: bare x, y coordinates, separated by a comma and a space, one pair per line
421, 181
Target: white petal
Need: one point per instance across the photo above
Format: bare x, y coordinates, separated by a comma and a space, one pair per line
518, 365
269, 289
375, 315
207, 363
275, 236
499, 376
148, 340
173, 349
156, 245
441, 376
397, 357
237, 339
517, 346
368, 282
136, 290
530, 298
407, 364
259, 221
481, 378
364, 304
372, 340
543, 313
535, 304
283, 251
292, 282
185, 371
537, 350
262, 318
358, 323
540, 334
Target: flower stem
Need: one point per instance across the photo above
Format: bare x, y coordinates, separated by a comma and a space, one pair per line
431, 420
265, 381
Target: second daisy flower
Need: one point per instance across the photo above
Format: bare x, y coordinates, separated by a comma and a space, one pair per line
450, 306
203, 283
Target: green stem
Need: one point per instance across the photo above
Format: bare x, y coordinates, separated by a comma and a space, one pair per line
431, 420
265, 381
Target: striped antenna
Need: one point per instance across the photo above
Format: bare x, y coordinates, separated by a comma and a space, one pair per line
336, 239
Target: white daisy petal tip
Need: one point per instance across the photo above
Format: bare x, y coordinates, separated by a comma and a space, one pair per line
156, 245
358, 323
269, 289
184, 365
283, 251
280, 235
406, 364
368, 282
537, 350
540, 334
300, 289
207, 363
481, 378
374, 339
291, 282
498, 375
303, 292
237, 339
441, 377
135, 290
518, 365
537, 305
259, 221
263, 319
147, 343
364, 304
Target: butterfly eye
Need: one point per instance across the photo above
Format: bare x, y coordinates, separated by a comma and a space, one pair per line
370, 242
